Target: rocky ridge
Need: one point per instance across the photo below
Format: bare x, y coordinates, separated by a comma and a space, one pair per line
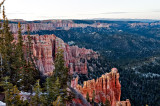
106, 87
45, 47
52, 25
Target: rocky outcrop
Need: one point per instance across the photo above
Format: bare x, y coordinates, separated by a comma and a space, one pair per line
123, 103
106, 87
45, 47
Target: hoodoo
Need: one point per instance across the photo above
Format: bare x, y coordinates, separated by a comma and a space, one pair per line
106, 87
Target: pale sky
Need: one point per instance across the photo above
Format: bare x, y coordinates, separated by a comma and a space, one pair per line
82, 9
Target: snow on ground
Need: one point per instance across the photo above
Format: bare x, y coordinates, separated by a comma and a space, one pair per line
2, 104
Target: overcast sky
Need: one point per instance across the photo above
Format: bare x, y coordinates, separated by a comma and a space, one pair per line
82, 9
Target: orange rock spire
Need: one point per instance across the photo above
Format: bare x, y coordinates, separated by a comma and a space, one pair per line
105, 87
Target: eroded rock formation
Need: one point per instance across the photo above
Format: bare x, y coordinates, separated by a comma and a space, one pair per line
45, 47
105, 87
51, 25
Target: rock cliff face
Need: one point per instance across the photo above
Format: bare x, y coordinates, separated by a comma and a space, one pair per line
68, 24
51, 25
45, 47
105, 87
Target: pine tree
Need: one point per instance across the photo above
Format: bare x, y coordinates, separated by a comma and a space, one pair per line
7, 45
87, 97
50, 94
20, 43
7, 90
61, 72
12, 96
29, 52
29, 74
16, 98
56, 85
54, 94
19, 60
36, 99
14, 65
30, 56
107, 103
53, 90
57, 102
93, 96
57, 88
7, 49
1, 48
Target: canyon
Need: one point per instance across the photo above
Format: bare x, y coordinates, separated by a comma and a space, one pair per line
130, 44
107, 87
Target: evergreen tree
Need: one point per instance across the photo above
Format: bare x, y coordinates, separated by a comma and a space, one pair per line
14, 65
93, 96
29, 52
53, 90
29, 74
16, 97
87, 97
7, 90
50, 94
57, 89
7, 50
20, 61
1, 48
107, 103
36, 98
61, 73
20, 43
12, 96
56, 85
7, 47
57, 102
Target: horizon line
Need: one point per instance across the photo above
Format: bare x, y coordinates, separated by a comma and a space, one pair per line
109, 19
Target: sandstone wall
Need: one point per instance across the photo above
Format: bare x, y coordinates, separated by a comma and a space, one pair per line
51, 25
105, 87
45, 47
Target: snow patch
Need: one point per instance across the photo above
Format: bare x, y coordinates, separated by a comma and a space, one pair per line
2, 104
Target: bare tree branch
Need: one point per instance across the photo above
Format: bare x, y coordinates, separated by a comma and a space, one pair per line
2, 3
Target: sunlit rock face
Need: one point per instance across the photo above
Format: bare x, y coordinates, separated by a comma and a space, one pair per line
123, 103
44, 49
105, 87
